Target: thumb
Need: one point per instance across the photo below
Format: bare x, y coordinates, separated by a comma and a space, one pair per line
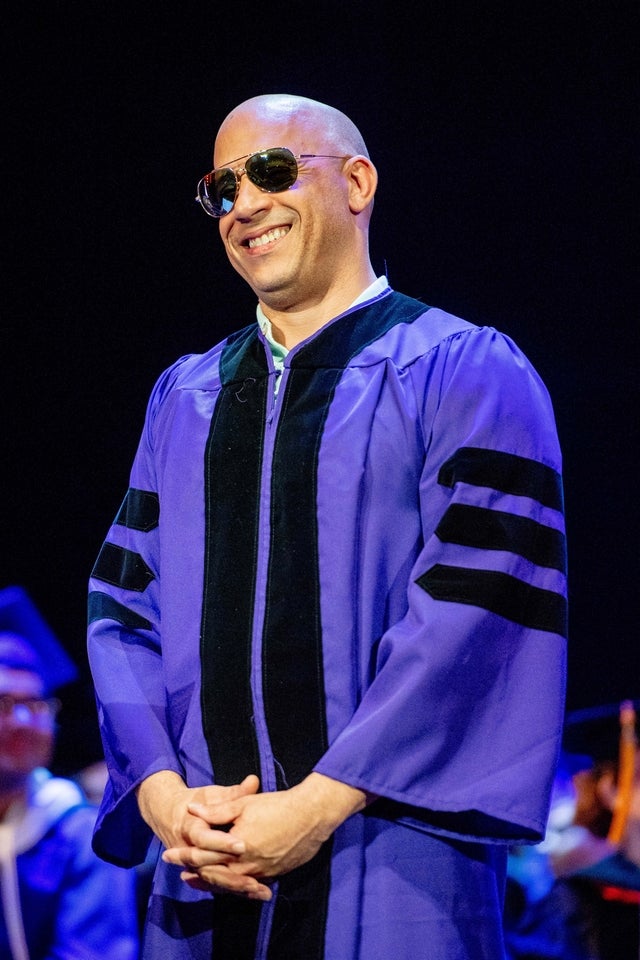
250, 784
219, 799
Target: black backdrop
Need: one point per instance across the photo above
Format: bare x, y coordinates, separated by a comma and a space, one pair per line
505, 136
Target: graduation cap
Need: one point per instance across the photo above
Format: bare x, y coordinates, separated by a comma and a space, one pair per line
595, 731
28, 643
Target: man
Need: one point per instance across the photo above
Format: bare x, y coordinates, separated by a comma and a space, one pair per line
58, 898
338, 576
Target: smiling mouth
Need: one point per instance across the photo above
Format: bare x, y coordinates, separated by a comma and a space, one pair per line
268, 237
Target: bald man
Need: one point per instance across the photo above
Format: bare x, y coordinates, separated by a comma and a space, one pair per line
327, 626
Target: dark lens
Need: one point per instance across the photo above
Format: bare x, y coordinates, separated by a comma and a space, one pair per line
272, 170
221, 190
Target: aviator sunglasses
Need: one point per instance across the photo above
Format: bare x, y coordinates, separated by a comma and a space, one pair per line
273, 171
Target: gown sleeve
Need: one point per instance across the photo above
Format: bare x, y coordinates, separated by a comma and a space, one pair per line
125, 654
459, 729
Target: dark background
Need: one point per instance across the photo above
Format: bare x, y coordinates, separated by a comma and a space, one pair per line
506, 138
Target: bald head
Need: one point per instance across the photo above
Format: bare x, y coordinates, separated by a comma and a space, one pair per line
302, 247
318, 126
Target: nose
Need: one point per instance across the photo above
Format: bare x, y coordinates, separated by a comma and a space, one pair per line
249, 197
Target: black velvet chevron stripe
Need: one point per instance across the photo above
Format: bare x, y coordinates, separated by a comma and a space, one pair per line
503, 471
499, 593
140, 510
123, 568
103, 607
497, 530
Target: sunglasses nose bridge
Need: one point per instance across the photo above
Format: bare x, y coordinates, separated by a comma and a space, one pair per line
239, 173
251, 179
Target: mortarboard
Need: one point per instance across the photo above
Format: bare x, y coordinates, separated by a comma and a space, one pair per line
28, 643
595, 731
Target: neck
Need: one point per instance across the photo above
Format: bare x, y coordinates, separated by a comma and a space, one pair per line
294, 323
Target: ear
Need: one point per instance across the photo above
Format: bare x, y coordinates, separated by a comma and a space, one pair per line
363, 180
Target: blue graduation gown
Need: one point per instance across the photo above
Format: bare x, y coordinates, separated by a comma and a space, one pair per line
72, 903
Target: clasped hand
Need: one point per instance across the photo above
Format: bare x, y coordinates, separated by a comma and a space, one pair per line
231, 838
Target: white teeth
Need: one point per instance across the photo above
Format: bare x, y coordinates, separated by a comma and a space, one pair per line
268, 237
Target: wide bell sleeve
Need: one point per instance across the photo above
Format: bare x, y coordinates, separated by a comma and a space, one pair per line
458, 731
125, 651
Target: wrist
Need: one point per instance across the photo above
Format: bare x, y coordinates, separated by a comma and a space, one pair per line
332, 801
156, 793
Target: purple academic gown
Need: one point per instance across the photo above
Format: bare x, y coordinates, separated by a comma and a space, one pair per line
362, 574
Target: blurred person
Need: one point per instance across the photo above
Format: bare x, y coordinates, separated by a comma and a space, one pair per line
591, 908
338, 575
59, 901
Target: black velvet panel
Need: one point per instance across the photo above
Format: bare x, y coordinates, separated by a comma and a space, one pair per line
292, 665
235, 927
233, 463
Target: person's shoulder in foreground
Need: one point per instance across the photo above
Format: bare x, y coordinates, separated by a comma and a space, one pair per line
328, 624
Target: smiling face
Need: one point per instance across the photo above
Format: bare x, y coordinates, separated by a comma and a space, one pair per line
307, 245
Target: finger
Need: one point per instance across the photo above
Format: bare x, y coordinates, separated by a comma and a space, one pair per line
238, 886
202, 835
250, 784
214, 793
194, 856
220, 814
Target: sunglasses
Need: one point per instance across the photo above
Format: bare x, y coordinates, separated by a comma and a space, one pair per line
273, 171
